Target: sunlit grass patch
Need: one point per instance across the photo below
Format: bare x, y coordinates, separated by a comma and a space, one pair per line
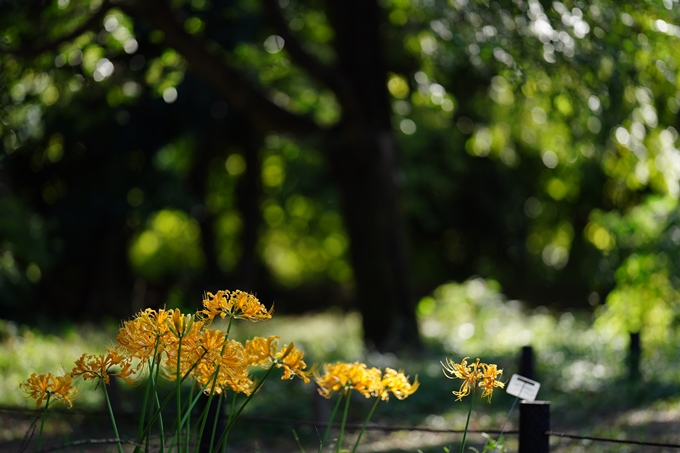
327, 336
475, 318
24, 351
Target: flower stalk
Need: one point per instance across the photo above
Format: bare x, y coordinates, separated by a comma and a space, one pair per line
113, 420
467, 424
474, 376
344, 378
42, 422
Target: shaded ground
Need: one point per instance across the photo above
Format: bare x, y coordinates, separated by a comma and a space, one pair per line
580, 370
646, 411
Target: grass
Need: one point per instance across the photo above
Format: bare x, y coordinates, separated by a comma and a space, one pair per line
581, 369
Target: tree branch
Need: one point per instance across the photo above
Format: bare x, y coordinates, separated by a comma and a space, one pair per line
325, 74
88, 25
227, 81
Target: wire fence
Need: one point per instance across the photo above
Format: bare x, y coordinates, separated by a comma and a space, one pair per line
611, 440
523, 431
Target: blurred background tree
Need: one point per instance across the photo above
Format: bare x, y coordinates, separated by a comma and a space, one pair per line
354, 154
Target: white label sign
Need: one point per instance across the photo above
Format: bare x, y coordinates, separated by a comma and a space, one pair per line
523, 388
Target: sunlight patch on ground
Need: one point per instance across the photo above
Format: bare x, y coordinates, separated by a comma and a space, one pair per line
24, 351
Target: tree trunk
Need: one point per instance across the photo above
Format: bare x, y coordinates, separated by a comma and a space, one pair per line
364, 161
361, 149
364, 172
249, 194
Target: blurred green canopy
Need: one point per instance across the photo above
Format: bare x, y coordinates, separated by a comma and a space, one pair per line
356, 153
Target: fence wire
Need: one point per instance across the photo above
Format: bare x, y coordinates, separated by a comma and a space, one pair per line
612, 440
274, 421
370, 427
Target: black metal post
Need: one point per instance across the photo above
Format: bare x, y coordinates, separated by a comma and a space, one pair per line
534, 423
526, 363
634, 353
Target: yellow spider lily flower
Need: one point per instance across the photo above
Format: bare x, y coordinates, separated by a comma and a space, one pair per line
237, 304
349, 376
261, 351
38, 386
490, 380
144, 334
264, 352
191, 351
180, 325
233, 362
290, 359
474, 375
470, 374
99, 366
397, 383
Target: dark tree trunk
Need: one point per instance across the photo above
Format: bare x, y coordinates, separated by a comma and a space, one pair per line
206, 150
361, 149
372, 217
248, 197
364, 161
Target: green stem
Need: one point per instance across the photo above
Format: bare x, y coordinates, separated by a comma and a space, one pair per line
500, 436
232, 419
212, 393
363, 428
42, 423
297, 439
231, 407
231, 414
191, 404
169, 398
467, 423
229, 327
187, 407
217, 416
330, 422
187, 414
179, 396
204, 414
113, 419
344, 420
161, 427
145, 402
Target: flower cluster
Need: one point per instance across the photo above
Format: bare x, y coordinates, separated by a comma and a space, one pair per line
92, 366
40, 386
265, 352
182, 345
236, 304
473, 376
344, 377
179, 346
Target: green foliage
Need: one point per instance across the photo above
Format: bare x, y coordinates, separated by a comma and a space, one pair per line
24, 254
325, 337
563, 92
175, 157
305, 238
475, 319
24, 351
529, 133
169, 245
645, 298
